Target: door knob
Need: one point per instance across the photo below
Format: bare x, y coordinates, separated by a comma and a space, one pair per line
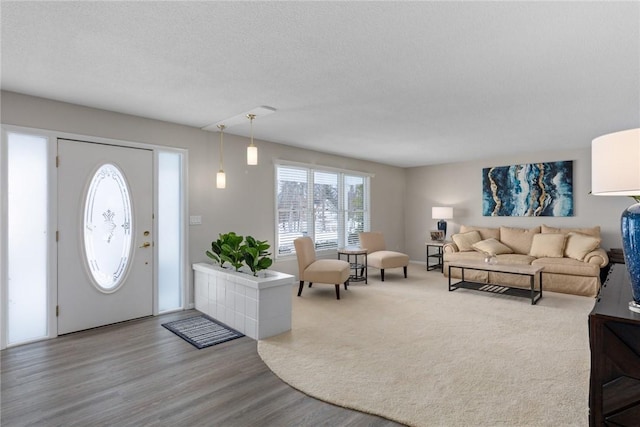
145, 245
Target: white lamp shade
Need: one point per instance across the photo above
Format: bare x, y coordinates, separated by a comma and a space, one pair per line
615, 164
252, 155
441, 212
221, 179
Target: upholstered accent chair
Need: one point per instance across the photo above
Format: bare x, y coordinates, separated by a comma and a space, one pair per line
378, 256
312, 270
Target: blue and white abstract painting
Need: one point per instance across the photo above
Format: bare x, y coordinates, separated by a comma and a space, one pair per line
533, 189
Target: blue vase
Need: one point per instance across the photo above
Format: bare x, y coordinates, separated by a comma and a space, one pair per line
630, 227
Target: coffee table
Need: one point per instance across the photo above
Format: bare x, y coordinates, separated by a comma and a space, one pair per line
519, 269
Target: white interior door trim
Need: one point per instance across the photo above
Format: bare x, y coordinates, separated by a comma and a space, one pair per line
53, 220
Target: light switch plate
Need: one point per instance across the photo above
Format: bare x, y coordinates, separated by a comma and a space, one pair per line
195, 220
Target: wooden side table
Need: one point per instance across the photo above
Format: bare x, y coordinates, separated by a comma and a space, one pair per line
435, 255
359, 267
614, 337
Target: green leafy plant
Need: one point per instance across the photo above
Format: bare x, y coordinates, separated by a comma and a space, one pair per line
216, 251
229, 248
232, 250
256, 256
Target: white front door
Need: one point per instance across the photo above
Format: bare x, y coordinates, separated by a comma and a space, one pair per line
105, 242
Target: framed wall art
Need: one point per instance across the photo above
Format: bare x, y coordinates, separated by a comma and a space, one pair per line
532, 189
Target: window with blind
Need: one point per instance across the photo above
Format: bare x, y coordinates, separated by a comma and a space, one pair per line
328, 206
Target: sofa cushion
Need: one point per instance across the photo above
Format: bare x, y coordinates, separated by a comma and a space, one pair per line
464, 256
515, 259
550, 245
518, 239
465, 241
492, 247
387, 259
567, 266
485, 233
327, 271
579, 245
591, 231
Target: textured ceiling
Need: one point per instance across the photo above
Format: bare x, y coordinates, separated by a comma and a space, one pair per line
401, 83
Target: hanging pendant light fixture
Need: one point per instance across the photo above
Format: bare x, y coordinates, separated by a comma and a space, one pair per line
221, 178
252, 150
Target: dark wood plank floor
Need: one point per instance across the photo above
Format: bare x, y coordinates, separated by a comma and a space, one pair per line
137, 374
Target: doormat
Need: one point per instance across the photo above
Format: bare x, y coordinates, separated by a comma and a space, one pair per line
202, 331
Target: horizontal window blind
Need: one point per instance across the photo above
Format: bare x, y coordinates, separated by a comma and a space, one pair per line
292, 207
329, 206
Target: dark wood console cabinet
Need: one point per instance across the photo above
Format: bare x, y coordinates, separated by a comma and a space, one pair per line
614, 337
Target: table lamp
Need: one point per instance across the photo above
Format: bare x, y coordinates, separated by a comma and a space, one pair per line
441, 213
615, 171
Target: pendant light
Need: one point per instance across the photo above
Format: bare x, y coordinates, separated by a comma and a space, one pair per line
252, 150
221, 178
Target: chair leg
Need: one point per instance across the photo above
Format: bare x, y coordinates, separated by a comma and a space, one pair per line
346, 284
310, 283
405, 271
301, 287
382, 274
338, 291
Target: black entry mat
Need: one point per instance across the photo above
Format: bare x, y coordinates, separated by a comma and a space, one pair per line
202, 331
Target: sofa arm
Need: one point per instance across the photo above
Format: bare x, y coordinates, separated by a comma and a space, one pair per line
598, 257
449, 248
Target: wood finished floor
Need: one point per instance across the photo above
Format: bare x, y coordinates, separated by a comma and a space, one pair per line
138, 373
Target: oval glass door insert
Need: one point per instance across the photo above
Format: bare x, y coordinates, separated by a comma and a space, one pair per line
107, 227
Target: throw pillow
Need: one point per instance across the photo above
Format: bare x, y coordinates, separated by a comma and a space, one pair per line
579, 245
591, 231
492, 247
485, 233
464, 241
549, 245
518, 239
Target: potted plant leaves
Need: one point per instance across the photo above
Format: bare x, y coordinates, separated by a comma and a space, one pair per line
229, 248
256, 256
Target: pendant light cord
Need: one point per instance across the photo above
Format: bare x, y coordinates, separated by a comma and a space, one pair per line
251, 117
221, 127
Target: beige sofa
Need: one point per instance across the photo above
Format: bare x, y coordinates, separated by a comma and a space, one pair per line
572, 258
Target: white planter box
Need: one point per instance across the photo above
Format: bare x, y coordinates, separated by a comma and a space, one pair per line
259, 307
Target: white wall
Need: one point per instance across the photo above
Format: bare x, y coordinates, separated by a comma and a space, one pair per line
401, 198
247, 204
460, 185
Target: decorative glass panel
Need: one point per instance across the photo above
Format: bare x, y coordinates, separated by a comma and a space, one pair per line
169, 231
27, 237
107, 227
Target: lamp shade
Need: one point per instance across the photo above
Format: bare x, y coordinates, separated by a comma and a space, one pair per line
441, 212
221, 179
252, 155
615, 164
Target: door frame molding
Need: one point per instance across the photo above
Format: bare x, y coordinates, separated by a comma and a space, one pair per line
52, 203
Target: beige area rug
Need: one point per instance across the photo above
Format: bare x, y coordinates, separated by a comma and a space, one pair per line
410, 351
